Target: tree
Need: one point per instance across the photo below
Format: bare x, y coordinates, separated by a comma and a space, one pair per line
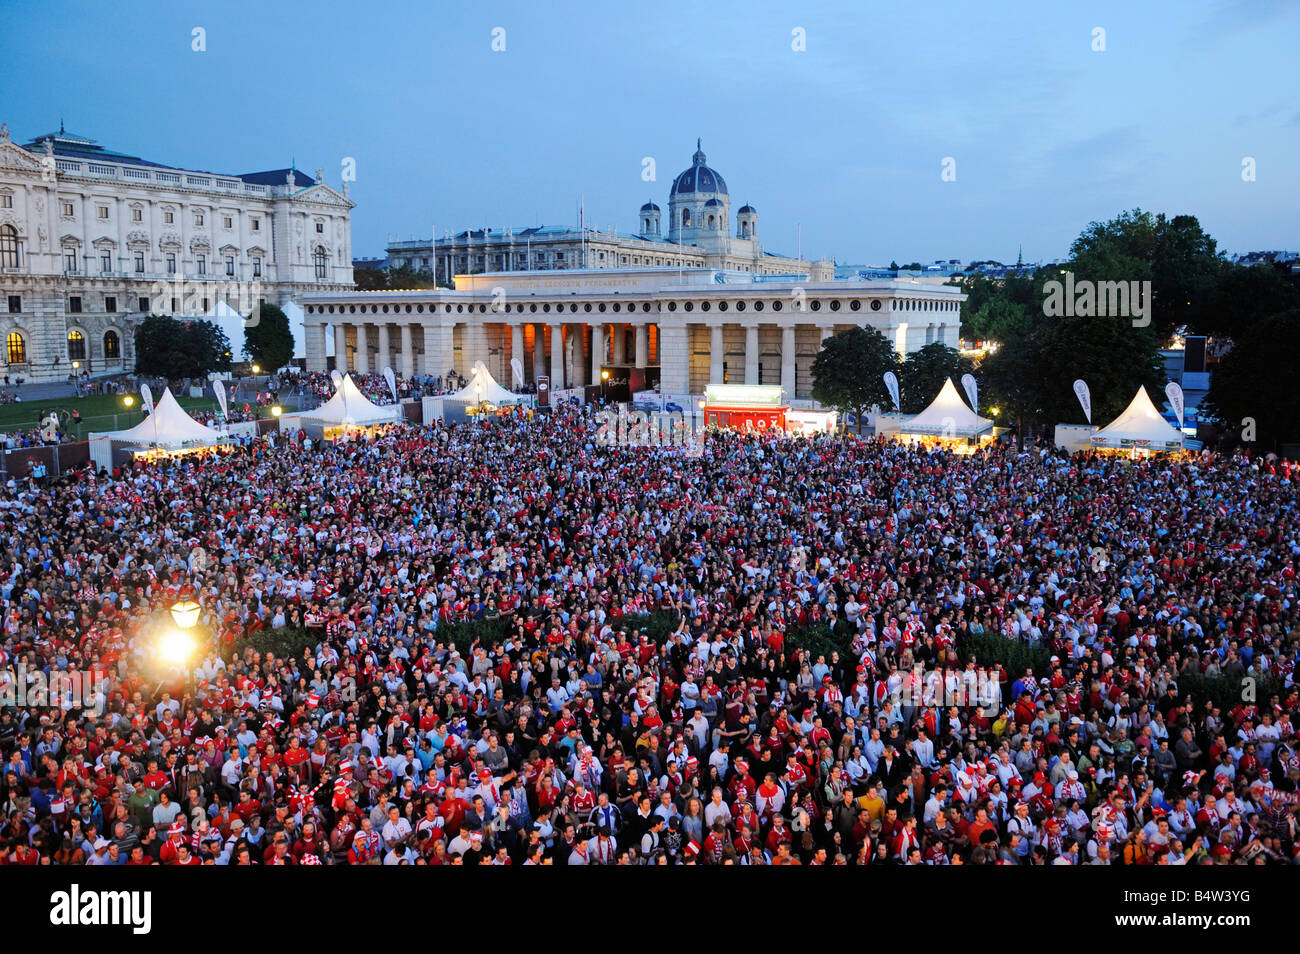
1255, 382
848, 372
169, 348
924, 372
1247, 294
268, 340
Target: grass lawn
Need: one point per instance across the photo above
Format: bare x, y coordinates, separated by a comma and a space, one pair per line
100, 412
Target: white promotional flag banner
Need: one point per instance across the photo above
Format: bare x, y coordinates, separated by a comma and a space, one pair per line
891, 382
337, 379
392, 382
219, 389
146, 398
1174, 392
1085, 398
517, 366
972, 391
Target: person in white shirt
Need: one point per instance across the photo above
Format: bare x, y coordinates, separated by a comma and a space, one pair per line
396, 830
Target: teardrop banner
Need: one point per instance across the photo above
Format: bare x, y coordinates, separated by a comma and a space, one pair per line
891, 382
1174, 391
1085, 399
972, 391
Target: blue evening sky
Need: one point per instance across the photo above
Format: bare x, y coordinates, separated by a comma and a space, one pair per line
843, 141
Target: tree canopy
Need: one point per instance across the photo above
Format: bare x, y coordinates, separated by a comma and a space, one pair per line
924, 372
172, 348
1255, 382
268, 340
848, 372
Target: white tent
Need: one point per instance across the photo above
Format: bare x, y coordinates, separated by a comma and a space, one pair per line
1140, 427
947, 416
168, 427
350, 406
482, 388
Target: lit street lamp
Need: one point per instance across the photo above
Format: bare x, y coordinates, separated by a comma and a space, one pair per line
185, 613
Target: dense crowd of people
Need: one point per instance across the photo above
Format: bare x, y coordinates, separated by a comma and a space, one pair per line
515, 643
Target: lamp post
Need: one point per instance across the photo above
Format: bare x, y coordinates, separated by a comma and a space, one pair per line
176, 645
604, 384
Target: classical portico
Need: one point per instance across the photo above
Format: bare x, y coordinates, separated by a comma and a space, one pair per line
695, 326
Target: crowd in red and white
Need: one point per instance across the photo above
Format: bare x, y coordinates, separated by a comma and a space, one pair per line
517, 645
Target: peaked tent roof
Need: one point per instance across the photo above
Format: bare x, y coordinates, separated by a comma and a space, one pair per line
167, 426
350, 406
947, 416
483, 389
1141, 425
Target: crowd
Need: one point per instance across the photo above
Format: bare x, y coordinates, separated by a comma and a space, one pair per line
515, 644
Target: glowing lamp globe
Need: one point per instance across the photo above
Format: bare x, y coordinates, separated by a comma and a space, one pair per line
185, 613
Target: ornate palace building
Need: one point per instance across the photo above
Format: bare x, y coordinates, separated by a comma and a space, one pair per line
684, 328
699, 234
90, 239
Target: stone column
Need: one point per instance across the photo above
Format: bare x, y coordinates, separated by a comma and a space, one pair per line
618, 345
317, 335
597, 352
408, 352
642, 346
539, 351
363, 350
340, 347
581, 357
557, 357
674, 359
716, 354
385, 355
439, 346
751, 354
825, 331
516, 351
787, 361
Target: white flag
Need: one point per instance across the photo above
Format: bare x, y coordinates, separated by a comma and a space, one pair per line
392, 382
517, 366
1085, 398
146, 398
219, 389
891, 382
1174, 391
972, 391
336, 378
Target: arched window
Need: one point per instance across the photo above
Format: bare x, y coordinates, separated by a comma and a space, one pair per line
15, 348
112, 345
321, 261
686, 218
76, 346
712, 222
9, 257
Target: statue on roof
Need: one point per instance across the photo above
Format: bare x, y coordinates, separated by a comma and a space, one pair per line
4, 131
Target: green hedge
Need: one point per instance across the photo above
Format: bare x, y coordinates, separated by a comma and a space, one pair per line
1013, 654
821, 639
284, 642
1226, 693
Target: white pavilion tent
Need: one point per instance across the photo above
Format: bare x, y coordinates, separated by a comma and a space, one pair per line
948, 417
349, 407
1140, 427
167, 431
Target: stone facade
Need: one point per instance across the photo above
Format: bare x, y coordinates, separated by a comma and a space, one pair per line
91, 240
697, 326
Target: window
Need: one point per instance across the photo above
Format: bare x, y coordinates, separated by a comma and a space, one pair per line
320, 228
255, 224
74, 304
230, 265
227, 221
320, 260
686, 218
142, 305
9, 257
101, 211
110, 304
112, 345
169, 217
198, 218
171, 263
106, 261
69, 210
70, 261
15, 304
139, 262
201, 264
76, 346
257, 268
137, 215
15, 348
6, 201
